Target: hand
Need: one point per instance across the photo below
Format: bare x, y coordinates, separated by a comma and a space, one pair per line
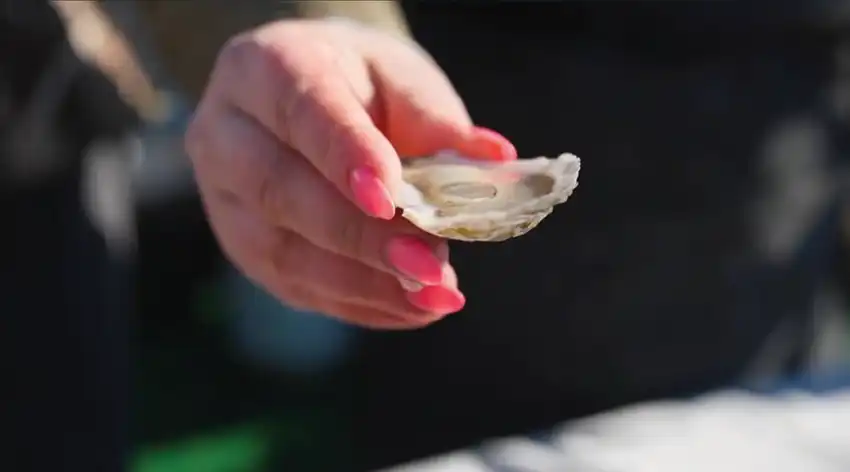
296, 147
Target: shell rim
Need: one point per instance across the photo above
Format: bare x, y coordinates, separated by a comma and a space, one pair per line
561, 165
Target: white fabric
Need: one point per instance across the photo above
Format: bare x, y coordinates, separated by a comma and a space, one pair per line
726, 432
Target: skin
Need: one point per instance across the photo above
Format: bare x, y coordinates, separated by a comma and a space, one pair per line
99, 42
296, 145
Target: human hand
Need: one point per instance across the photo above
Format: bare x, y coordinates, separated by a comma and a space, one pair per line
296, 147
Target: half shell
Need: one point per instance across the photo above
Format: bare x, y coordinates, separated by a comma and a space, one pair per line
474, 200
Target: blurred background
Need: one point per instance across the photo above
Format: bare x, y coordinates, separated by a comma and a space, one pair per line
226, 378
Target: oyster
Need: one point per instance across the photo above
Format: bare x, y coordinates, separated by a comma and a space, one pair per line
474, 200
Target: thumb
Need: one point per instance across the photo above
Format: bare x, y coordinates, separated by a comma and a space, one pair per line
421, 113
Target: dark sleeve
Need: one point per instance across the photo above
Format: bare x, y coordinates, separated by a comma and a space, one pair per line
30, 34
52, 105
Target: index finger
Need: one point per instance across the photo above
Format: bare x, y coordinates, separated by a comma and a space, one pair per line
298, 94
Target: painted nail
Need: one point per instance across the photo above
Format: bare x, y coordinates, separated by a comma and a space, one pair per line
415, 259
440, 300
370, 194
498, 144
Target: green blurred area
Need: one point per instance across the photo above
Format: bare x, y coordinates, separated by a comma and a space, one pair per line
238, 449
215, 417
199, 409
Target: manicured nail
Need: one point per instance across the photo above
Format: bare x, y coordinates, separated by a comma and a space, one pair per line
370, 194
491, 140
415, 259
440, 300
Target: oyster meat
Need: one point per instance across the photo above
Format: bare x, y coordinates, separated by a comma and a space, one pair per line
474, 200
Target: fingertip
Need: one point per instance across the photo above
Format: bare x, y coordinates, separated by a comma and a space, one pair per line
485, 143
374, 163
442, 250
438, 300
450, 276
413, 258
370, 194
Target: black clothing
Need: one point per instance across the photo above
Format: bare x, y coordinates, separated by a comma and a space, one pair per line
704, 224
48, 94
63, 293
64, 298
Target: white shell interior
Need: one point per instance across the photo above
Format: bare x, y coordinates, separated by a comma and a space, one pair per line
476, 200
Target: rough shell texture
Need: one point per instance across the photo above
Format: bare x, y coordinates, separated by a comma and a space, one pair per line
475, 200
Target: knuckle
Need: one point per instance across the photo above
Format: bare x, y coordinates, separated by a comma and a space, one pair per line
359, 284
290, 106
273, 184
349, 235
238, 52
384, 291
286, 256
253, 59
289, 90
333, 148
267, 195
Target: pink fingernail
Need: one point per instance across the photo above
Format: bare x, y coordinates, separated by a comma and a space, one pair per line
415, 259
500, 145
370, 194
437, 299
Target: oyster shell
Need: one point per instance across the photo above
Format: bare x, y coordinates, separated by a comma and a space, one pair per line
474, 200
